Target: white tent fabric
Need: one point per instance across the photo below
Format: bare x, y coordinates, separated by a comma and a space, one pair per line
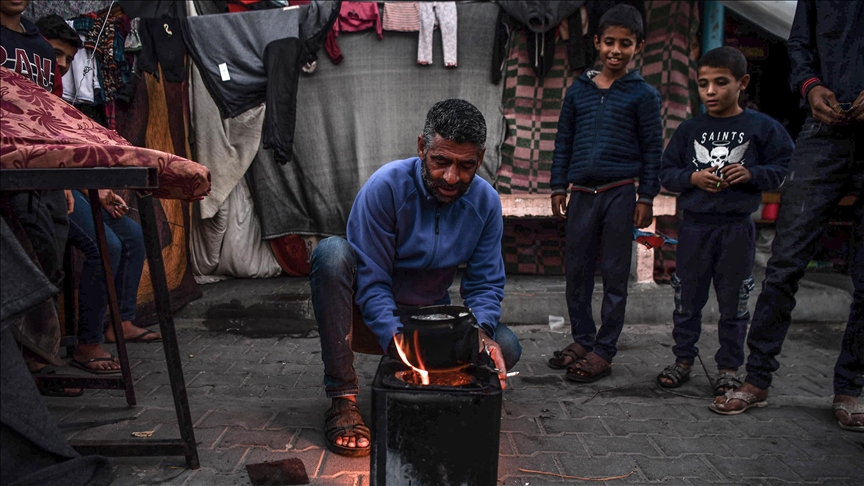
775, 16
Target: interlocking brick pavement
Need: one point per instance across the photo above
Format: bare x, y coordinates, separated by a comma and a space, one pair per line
261, 399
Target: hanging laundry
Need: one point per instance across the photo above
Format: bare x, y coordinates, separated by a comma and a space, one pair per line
353, 17
80, 83
446, 15
229, 51
162, 44
401, 16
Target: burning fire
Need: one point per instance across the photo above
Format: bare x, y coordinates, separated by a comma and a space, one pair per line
399, 340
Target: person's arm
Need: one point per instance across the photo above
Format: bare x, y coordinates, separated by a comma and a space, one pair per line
774, 158
675, 169
371, 232
482, 286
805, 76
650, 128
559, 180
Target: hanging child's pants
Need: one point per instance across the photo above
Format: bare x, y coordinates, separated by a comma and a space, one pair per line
719, 248
446, 13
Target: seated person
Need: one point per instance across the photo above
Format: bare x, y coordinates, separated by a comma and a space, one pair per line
412, 224
126, 251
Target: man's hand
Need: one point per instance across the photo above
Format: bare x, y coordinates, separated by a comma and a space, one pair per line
70, 201
112, 203
706, 180
487, 344
559, 206
857, 111
825, 107
643, 216
736, 174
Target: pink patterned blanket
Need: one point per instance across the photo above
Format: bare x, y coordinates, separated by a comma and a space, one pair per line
40, 131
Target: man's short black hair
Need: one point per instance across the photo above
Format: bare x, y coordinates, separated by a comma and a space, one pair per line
725, 58
456, 120
623, 16
54, 27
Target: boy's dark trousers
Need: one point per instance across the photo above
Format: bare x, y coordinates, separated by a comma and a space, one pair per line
601, 224
828, 163
719, 248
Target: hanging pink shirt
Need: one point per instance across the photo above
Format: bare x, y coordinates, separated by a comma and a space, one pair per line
353, 17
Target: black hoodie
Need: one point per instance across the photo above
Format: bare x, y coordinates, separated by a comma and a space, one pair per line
31, 56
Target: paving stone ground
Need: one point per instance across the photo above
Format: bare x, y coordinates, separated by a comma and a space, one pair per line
261, 399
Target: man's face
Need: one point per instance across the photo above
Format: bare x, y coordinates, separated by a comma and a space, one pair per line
448, 167
65, 52
13, 7
719, 90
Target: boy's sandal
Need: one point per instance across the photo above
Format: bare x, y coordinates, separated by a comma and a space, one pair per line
726, 382
589, 369
343, 419
676, 374
99, 371
749, 400
567, 356
849, 410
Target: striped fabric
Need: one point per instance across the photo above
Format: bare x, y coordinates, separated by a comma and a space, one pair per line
401, 16
531, 109
666, 63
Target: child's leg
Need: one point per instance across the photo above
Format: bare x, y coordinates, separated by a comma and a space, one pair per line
732, 279
579, 263
616, 251
694, 266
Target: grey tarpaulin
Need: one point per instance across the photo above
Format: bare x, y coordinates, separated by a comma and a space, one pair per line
367, 111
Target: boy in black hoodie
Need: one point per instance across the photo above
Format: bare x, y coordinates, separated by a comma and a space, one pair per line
720, 162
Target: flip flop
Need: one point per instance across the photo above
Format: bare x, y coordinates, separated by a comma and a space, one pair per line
749, 400
138, 338
50, 371
849, 410
83, 365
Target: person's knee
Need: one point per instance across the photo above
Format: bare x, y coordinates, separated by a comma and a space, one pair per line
510, 346
333, 254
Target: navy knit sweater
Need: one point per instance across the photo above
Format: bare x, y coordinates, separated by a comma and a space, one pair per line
751, 138
608, 135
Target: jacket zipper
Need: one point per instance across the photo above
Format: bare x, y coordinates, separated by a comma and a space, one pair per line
435, 243
596, 132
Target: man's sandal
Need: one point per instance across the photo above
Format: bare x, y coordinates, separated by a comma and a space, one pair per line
749, 400
343, 419
676, 374
592, 368
849, 410
726, 382
567, 356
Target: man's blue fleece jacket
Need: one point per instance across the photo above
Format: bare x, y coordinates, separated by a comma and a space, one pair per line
409, 246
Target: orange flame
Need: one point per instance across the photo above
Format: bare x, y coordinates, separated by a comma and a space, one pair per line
424, 375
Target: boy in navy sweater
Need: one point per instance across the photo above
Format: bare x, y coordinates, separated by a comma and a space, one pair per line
720, 162
609, 134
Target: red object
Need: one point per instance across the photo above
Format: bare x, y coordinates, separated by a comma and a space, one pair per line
652, 241
769, 211
292, 254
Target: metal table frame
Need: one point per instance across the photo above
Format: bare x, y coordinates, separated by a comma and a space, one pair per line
145, 178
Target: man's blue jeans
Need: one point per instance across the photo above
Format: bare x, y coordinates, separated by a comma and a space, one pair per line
332, 279
828, 164
126, 250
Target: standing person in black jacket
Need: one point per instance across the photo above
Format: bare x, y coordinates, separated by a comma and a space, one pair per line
826, 48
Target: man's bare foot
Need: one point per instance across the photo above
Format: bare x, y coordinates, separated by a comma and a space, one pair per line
93, 357
729, 406
132, 333
849, 412
350, 441
36, 367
